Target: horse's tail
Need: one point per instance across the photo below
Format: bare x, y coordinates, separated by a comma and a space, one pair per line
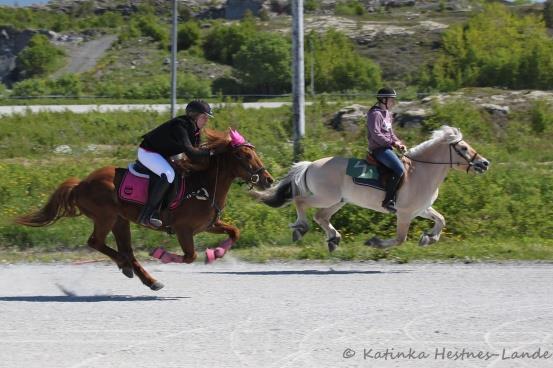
60, 204
292, 185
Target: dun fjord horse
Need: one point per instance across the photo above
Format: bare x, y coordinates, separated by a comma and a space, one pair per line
97, 198
323, 184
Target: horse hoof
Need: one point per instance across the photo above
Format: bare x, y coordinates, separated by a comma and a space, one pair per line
190, 258
424, 240
373, 242
296, 235
209, 255
156, 286
127, 271
220, 252
333, 244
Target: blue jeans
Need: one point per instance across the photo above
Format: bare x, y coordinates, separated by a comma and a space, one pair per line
388, 158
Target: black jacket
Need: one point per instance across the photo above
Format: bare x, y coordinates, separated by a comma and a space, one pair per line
175, 136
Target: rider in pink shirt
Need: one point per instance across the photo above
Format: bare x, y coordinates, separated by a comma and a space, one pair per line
382, 140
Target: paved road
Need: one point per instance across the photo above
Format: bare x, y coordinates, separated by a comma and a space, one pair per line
10, 110
84, 56
277, 315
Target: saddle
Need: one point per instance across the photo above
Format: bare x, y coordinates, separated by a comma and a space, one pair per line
135, 185
370, 172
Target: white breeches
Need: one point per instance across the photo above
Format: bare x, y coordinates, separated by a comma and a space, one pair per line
156, 163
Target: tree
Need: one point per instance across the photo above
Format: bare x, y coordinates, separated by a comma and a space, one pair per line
263, 64
223, 42
338, 67
39, 57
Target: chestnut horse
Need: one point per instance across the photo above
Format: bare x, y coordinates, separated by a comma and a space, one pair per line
96, 197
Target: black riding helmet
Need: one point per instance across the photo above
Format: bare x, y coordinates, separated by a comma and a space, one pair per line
199, 106
385, 93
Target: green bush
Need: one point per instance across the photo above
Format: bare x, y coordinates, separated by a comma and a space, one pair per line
311, 5
67, 85
40, 57
149, 26
30, 88
223, 42
338, 67
188, 85
548, 13
188, 35
350, 8
541, 117
494, 48
263, 64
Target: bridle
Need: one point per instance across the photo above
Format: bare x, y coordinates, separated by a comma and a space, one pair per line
470, 161
255, 175
253, 180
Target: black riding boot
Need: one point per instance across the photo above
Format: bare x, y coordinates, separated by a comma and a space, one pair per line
391, 191
149, 215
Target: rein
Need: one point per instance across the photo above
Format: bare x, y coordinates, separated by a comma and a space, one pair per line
470, 161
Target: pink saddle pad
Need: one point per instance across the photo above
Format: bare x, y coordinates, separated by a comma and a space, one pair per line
135, 189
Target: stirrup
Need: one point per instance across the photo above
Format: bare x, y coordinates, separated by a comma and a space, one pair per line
154, 221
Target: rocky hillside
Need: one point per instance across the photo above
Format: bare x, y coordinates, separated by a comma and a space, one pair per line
399, 35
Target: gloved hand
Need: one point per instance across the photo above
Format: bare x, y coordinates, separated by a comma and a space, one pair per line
217, 151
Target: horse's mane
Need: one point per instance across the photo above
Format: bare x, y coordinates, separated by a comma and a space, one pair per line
216, 139
444, 134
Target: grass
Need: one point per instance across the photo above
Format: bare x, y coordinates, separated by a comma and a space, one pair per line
313, 247
485, 215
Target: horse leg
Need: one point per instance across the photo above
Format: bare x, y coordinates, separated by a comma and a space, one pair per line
186, 241
322, 217
222, 228
97, 240
432, 236
402, 225
122, 233
301, 226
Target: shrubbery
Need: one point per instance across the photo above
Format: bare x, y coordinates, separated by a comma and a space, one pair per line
223, 42
350, 8
495, 48
188, 85
68, 85
188, 35
263, 64
39, 57
338, 67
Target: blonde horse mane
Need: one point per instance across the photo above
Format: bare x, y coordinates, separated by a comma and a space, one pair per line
445, 134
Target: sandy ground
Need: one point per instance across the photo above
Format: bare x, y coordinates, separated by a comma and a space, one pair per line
234, 314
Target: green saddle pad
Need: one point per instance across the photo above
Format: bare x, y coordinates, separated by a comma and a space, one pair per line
361, 169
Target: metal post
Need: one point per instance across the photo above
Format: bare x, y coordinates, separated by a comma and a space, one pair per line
174, 61
298, 79
312, 49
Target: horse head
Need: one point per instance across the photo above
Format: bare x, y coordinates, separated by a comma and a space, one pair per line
248, 165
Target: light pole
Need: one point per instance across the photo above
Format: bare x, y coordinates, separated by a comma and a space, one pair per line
174, 61
298, 78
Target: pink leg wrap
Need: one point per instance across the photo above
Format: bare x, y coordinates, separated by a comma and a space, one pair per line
166, 257
219, 252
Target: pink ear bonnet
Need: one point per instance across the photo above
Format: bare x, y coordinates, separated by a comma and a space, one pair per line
237, 140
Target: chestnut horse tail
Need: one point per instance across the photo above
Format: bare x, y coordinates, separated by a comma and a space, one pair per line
61, 204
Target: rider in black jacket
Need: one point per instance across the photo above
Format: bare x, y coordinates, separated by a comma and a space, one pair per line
178, 135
